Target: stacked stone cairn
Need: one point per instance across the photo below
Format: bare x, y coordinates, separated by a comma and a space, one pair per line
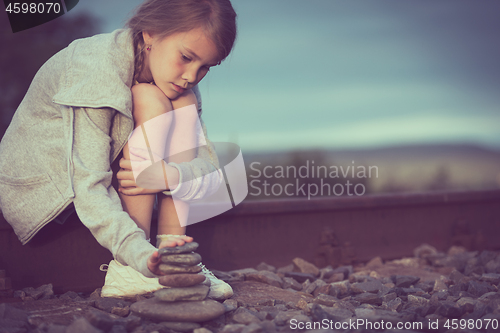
183, 301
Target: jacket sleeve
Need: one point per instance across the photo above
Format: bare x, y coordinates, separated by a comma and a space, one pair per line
96, 202
202, 176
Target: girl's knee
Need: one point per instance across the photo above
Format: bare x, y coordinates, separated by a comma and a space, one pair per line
149, 101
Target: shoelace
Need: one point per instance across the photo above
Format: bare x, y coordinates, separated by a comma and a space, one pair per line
206, 271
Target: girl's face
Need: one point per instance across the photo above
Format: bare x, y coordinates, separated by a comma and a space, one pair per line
178, 62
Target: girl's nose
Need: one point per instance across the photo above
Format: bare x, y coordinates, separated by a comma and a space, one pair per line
190, 75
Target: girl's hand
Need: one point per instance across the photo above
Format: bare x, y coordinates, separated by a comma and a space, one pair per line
154, 260
127, 184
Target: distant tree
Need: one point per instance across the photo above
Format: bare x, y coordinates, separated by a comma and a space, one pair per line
23, 53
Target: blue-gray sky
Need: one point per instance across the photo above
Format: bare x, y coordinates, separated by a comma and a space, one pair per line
351, 74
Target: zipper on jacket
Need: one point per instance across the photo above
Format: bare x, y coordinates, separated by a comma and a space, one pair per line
70, 151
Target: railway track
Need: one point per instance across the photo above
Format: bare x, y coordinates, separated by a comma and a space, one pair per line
321, 230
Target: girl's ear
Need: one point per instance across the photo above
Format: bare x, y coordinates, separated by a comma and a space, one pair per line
148, 39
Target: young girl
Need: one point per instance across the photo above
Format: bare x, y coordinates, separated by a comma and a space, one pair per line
76, 118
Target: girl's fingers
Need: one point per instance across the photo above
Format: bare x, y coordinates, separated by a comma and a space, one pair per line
125, 164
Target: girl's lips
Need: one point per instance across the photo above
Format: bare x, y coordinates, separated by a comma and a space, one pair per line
178, 88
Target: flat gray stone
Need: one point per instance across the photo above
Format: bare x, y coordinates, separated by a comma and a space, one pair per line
181, 280
184, 311
186, 248
188, 259
196, 293
171, 269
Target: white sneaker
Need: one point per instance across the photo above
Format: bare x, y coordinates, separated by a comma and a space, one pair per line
219, 290
124, 281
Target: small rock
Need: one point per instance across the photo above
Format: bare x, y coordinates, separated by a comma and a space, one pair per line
171, 269
417, 301
368, 298
424, 251
448, 310
454, 250
252, 328
81, 325
493, 266
189, 259
490, 295
107, 304
302, 266
301, 304
440, 284
181, 280
202, 330
389, 297
375, 262
283, 317
130, 322
320, 312
99, 319
466, 300
240, 274
336, 277
478, 288
266, 302
367, 287
266, 277
196, 293
405, 281
69, 295
285, 269
289, 282
230, 304
395, 305
300, 277
186, 248
33, 293
180, 326
340, 289
426, 287
492, 278
96, 294
233, 328
245, 317
265, 267
189, 311
326, 300
311, 287
122, 312
364, 313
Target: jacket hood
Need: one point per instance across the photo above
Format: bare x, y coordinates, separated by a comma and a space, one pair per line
91, 78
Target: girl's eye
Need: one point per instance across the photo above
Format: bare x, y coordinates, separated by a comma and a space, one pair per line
185, 58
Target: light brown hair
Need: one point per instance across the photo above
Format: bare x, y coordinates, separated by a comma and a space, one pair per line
166, 17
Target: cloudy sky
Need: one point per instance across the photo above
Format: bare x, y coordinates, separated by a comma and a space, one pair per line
351, 74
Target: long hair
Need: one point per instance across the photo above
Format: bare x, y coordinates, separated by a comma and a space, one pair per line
163, 18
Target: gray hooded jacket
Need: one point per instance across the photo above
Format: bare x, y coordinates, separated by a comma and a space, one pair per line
71, 125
